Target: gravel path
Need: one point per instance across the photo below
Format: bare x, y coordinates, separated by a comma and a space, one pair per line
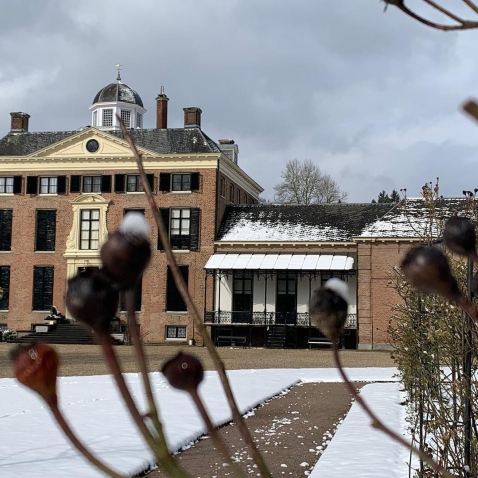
88, 359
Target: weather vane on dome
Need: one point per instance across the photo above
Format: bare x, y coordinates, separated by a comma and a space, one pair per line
118, 68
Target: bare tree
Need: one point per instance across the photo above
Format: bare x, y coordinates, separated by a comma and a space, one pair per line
304, 183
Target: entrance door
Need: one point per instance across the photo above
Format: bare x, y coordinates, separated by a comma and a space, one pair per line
242, 298
286, 301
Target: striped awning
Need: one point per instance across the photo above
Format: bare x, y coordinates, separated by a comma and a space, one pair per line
296, 262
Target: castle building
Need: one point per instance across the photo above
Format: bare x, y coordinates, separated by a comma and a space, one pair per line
62, 192
250, 268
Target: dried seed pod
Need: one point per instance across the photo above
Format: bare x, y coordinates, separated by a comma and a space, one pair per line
427, 269
36, 366
184, 372
92, 299
460, 237
328, 308
127, 252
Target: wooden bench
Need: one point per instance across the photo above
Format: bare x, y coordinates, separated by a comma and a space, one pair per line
231, 340
318, 341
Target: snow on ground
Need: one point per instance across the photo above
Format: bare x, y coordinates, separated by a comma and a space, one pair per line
33, 446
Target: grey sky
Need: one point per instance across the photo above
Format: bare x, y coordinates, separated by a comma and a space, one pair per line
372, 98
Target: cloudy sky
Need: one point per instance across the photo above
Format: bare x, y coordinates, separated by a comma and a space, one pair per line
372, 98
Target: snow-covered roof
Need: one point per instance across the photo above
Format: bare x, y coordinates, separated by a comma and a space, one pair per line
294, 223
409, 218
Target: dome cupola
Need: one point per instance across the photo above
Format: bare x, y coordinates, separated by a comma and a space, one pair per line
117, 99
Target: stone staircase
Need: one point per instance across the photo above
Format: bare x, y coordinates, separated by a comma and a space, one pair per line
61, 334
276, 336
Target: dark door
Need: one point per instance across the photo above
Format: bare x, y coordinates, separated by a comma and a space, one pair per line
286, 301
242, 298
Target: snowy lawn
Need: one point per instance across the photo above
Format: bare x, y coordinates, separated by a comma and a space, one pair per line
33, 446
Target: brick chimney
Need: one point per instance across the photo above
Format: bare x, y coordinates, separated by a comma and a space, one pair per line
192, 117
162, 110
19, 122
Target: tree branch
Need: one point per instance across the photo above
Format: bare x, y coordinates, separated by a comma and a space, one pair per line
471, 5
463, 24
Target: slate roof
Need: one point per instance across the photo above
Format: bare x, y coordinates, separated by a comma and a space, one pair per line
337, 222
118, 92
162, 141
410, 218
327, 222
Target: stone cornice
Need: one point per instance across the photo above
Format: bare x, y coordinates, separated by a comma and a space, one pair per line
234, 172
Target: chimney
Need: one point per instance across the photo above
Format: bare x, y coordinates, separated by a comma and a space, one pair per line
192, 117
19, 122
162, 110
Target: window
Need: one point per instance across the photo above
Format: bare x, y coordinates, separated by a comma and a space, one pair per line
182, 225
245, 198
242, 292
238, 197
5, 285
42, 287
231, 192
175, 332
89, 229
179, 232
6, 185
48, 185
10, 184
95, 118
223, 187
286, 303
5, 229
139, 120
181, 182
133, 183
91, 184
108, 117
45, 230
126, 118
138, 289
174, 301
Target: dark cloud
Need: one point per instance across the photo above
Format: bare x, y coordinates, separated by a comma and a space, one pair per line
371, 97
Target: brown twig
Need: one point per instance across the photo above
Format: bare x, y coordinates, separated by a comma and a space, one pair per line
141, 359
191, 307
75, 441
160, 450
218, 443
379, 425
471, 5
463, 24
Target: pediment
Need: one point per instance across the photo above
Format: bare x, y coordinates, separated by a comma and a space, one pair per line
75, 146
90, 199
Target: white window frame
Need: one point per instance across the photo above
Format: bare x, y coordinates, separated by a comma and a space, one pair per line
126, 118
139, 120
89, 229
95, 118
48, 185
177, 327
138, 187
6, 184
93, 188
107, 120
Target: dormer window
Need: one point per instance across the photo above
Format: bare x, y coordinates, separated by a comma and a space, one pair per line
126, 118
108, 118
